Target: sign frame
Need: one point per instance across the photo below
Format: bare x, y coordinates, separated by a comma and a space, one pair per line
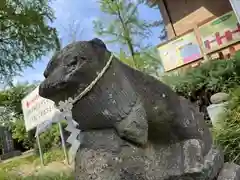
177, 38
38, 109
236, 8
207, 30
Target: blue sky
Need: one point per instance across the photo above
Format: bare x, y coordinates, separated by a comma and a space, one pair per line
82, 13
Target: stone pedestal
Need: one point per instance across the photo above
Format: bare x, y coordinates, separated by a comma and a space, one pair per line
218, 107
230, 171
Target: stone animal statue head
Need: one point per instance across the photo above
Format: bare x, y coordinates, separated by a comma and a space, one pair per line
72, 69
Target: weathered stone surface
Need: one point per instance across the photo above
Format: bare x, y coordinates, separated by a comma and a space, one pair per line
134, 126
230, 171
217, 112
219, 98
213, 163
104, 155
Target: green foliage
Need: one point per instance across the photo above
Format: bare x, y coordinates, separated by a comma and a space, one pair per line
200, 83
53, 155
124, 24
209, 78
10, 100
25, 35
53, 176
12, 118
33, 161
148, 61
20, 134
11, 97
227, 134
50, 138
17, 162
124, 27
126, 59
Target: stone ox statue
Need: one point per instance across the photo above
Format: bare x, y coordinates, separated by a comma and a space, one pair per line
134, 127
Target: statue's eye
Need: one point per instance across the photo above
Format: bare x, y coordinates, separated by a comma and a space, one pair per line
77, 59
83, 58
74, 61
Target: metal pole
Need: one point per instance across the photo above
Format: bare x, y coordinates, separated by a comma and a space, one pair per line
39, 149
63, 142
235, 5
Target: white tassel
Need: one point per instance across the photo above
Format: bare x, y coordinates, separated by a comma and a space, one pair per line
66, 108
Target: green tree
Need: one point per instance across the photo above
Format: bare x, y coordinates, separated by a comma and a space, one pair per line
25, 35
20, 134
12, 115
127, 29
11, 98
148, 61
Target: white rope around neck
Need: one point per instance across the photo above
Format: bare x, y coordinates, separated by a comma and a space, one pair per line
65, 108
92, 84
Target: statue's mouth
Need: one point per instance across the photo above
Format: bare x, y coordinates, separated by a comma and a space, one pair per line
54, 91
60, 90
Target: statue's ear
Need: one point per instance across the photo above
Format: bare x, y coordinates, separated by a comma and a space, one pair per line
98, 42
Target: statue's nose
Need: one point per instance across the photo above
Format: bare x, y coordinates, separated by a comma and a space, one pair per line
45, 74
42, 90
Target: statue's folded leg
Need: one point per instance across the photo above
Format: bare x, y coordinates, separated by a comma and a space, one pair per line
135, 126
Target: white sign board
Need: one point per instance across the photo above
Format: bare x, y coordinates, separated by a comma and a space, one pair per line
236, 7
37, 110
